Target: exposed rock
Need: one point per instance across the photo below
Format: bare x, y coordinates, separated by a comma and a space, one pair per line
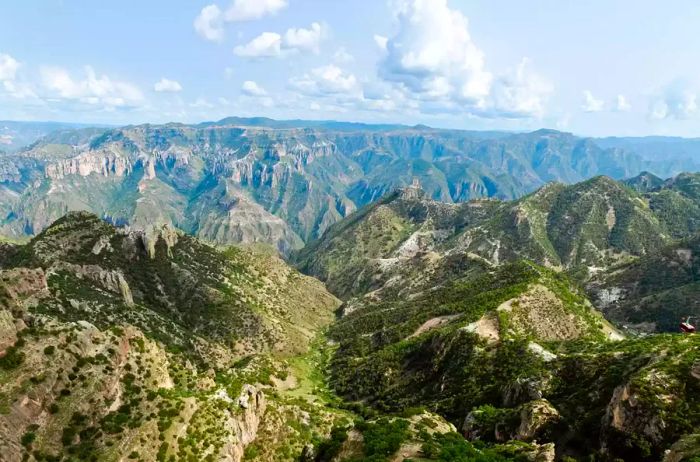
245, 424
540, 351
523, 390
486, 327
685, 449
101, 244
110, 280
543, 453
430, 324
154, 234
629, 413
535, 416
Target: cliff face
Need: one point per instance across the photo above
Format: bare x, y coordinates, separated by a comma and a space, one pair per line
281, 186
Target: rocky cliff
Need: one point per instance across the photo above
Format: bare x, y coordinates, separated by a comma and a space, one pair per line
237, 181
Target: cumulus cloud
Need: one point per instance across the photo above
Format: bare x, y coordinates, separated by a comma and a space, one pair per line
248, 10
272, 44
8, 78
433, 54
305, 39
265, 45
210, 21
621, 104
251, 88
434, 61
326, 80
92, 90
166, 85
591, 103
677, 101
209, 24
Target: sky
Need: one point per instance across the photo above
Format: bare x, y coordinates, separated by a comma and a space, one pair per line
598, 68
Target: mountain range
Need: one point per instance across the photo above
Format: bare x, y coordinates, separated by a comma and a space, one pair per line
285, 182
405, 313
471, 331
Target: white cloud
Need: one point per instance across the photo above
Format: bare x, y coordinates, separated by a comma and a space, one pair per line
211, 20
20, 90
248, 10
326, 80
621, 104
381, 41
591, 103
167, 85
433, 60
92, 90
251, 88
210, 23
678, 101
8, 78
433, 54
8, 67
520, 93
265, 45
305, 39
273, 45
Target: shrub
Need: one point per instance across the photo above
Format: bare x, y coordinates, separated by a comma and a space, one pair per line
28, 438
12, 359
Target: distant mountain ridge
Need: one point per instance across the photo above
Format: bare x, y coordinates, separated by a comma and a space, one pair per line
245, 180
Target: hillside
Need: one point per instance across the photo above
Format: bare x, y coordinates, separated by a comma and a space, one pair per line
476, 312
653, 293
465, 333
281, 183
581, 228
119, 344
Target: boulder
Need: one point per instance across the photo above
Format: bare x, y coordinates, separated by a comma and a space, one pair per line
535, 417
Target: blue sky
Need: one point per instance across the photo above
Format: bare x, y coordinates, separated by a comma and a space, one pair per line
596, 67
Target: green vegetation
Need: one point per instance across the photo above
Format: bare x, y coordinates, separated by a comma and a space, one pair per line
465, 318
383, 438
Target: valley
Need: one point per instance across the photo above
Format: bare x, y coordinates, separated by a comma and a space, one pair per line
539, 324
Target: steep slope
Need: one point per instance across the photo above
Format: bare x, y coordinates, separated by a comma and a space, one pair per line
283, 183
117, 344
581, 228
473, 312
644, 182
654, 293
